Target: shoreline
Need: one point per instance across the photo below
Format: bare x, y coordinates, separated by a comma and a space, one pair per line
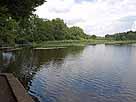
68, 43
59, 44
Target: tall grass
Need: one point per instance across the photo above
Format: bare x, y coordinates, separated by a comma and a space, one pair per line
67, 43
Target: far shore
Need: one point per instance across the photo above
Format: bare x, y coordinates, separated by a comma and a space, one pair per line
76, 43
68, 43
40, 48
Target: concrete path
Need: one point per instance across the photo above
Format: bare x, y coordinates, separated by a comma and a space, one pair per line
11, 90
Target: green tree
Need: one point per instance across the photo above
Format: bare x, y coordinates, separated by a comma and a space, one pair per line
130, 35
20, 8
75, 33
8, 31
58, 30
15, 19
93, 36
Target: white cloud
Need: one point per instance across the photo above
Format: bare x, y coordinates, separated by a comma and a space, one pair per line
134, 26
94, 16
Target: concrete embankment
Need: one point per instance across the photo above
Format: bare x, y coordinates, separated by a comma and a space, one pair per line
11, 90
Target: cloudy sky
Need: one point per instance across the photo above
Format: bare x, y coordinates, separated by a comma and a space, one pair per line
98, 17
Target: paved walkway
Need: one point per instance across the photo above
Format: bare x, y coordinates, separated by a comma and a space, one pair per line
11, 90
5, 91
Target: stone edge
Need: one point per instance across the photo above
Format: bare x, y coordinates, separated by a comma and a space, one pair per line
17, 88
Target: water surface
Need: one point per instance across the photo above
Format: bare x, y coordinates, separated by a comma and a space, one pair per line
101, 73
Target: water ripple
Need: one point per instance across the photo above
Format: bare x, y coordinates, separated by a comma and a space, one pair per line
98, 74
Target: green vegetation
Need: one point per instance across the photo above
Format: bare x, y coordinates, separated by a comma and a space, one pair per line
67, 43
130, 35
14, 19
70, 43
18, 25
19, 9
37, 30
113, 42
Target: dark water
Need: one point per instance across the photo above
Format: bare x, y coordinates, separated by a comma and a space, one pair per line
101, 73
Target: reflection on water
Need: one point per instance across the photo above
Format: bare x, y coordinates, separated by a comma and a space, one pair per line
101, 73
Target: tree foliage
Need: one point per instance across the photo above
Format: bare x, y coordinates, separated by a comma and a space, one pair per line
93, 36
56, 29
38, 30
130, 35
19, 8
14, 18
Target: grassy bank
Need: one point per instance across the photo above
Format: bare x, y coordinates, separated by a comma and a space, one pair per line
68, 43
120, 42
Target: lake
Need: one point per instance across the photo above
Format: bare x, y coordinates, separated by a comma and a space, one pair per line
95, 73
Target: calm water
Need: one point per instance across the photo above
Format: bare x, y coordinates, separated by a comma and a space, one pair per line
101, 73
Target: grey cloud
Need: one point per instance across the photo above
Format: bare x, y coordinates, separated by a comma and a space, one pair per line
128, 19
74, 21
59, 10
80, 1
127, 22
119, 25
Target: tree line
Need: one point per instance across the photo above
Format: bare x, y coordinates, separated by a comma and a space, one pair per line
130, 35
18, 24
37, 30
